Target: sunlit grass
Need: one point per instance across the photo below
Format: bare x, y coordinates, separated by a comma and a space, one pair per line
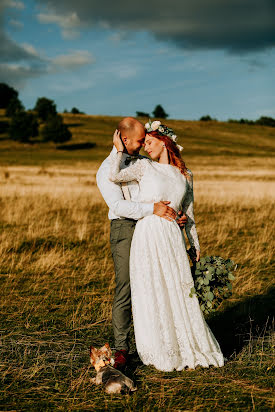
57, 280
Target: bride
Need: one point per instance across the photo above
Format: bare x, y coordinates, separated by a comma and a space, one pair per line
170, 330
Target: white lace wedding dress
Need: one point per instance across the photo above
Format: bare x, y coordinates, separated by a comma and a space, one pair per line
170, 330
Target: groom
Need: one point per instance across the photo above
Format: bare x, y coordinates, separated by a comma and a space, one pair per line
124, 211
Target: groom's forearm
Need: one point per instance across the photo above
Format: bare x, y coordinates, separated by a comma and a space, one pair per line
131, 210
114, 199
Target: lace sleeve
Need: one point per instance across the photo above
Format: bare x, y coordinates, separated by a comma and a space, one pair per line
188, 209
130, 173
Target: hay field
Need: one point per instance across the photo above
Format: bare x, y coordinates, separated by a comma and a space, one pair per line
57, 276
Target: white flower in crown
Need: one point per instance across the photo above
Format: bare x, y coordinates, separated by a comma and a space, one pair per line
147, 125
155, 124
174, 137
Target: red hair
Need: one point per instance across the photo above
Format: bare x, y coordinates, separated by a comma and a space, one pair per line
174, 155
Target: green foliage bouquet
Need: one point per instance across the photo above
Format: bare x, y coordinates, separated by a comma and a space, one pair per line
212, 277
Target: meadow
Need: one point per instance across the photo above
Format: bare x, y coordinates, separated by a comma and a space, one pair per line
57, 277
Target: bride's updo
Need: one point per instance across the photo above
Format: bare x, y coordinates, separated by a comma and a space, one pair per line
174, 155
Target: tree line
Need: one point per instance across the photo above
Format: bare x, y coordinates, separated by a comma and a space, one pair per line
43, 120
262, 121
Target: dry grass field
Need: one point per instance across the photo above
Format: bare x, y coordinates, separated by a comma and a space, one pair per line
57, 277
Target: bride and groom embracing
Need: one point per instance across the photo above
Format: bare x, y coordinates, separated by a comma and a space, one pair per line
146, 198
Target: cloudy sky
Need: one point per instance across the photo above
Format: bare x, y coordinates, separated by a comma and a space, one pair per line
213, 57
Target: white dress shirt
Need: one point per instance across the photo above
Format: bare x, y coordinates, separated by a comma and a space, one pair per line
113, 195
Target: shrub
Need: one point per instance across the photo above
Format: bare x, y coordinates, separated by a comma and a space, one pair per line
142, 114
206, 118
45, 108
23, 126
55, 130
266, 121
75, 110
212, 278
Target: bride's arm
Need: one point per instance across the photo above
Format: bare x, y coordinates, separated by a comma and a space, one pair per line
133, 172
188, 209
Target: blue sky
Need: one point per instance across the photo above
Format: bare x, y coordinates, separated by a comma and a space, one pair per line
118, 61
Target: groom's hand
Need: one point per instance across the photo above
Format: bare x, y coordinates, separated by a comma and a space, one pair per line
182, 219
163, 210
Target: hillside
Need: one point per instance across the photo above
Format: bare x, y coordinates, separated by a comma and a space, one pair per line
57, 277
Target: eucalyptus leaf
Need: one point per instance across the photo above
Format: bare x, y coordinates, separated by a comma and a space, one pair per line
212, 282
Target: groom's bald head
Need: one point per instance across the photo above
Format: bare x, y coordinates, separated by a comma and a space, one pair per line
132, 134
130, 127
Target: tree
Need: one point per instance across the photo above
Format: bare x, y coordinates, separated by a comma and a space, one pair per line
45, 108
266, 121
23, 126
55, 130
7, 93
4, 126
15, 106
76, 111
159, 112
142, 114
206, 118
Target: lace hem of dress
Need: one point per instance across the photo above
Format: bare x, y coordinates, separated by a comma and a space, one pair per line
175, 360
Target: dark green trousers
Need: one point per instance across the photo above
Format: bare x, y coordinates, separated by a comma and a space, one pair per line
120, 238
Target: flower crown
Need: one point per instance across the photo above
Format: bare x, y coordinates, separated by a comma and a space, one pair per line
162, 130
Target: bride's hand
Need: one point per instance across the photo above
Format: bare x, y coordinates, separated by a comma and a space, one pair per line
198, 254
117, 141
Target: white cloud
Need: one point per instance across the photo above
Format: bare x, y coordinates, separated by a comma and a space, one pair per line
16, 23
73, 60
30, 49
126, 71
68, 23
119, 36
17, 74
19, 5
